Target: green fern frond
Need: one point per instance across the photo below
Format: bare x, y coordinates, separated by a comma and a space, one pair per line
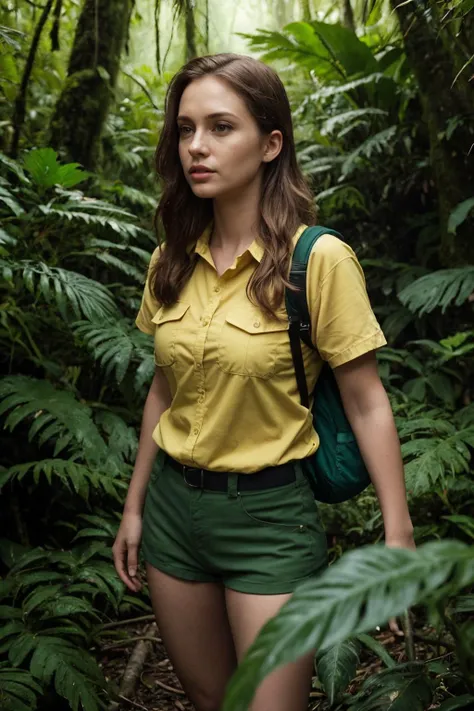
56, 414
69, 290
434, 460
377, 143
348, 116
18, 689
336, 89
15, 167
6, 239
121, 438
77, 477
112, 344
439, 290
124, 229
8, 199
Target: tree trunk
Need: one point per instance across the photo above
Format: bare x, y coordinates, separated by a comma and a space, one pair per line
19, 111
80, 113
305, 10
157, 35
348, 15
190, 24
448, 115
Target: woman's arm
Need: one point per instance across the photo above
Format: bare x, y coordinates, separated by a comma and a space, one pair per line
158, 400
127, 542
369, 412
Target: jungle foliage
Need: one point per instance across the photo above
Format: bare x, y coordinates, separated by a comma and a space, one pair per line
386, 151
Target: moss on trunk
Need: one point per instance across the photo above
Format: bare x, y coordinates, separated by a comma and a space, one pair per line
80, 113
448, 114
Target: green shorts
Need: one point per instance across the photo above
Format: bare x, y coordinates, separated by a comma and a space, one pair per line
264, 542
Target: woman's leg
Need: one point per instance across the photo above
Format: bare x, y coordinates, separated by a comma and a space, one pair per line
287, 688
193, 624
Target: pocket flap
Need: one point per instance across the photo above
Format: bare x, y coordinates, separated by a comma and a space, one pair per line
170, 313
254, 322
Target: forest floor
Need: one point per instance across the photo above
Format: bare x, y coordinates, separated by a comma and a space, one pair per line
158, 689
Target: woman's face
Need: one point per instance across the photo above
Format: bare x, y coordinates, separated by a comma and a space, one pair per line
220, 145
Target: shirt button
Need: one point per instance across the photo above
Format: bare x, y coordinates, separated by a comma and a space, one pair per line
195, 431
201, 399
257, 324
198, 366
204, 321
217, 289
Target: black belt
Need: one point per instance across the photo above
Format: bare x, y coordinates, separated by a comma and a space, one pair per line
217, 481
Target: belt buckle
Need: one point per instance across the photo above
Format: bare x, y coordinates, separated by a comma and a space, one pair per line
193, 486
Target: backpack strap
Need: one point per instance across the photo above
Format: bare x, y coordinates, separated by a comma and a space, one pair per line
297, 303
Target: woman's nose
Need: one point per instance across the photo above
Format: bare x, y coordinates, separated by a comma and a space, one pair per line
198, 145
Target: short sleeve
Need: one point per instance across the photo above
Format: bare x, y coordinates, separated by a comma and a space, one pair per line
149, 305
343, 324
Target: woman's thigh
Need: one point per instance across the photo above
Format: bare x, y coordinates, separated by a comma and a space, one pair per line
192, 620
288, 687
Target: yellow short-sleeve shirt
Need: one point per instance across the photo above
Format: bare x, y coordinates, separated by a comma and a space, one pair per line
236, 405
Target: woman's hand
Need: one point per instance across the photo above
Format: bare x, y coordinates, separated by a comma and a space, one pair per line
125, 550
399, 541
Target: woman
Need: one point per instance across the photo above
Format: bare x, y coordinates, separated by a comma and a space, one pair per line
230, 526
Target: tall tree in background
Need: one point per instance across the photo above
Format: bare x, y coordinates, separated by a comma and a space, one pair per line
305, 10
82, 108
348, 15
448, 112
190, 26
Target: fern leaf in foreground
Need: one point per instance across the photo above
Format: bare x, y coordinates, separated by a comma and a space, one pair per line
363, 589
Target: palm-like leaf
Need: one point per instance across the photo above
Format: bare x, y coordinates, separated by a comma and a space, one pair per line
378, 143
18, 689
433, 461
113, 344
69, 290
76, 477
439, 290
85, 213
55, 414
362, 590
46, 171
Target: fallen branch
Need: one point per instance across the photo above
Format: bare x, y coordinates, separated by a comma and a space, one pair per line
171, 689
132, 703
134, 667
123, 623
129, 640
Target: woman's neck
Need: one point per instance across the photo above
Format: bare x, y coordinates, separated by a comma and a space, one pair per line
236, 222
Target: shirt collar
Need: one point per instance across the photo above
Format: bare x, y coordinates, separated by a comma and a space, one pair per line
202, 245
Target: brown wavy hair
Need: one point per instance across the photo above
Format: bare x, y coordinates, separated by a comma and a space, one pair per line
286, 199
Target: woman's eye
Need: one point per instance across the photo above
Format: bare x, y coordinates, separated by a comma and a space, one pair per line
222, 127
184, 130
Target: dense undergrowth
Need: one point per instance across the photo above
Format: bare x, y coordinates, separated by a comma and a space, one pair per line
74, 247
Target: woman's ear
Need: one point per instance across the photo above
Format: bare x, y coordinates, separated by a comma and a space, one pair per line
273, 146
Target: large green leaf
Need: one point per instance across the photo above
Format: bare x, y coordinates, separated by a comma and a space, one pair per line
328, 50
337, 666
459, 214
46, 171
362, 590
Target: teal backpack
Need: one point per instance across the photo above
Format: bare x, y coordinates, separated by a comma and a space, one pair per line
336, 471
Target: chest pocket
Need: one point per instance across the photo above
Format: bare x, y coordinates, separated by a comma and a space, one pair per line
168, 321
252, 345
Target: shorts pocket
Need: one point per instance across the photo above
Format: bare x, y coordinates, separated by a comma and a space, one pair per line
280, 507
167, 323
250, 344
